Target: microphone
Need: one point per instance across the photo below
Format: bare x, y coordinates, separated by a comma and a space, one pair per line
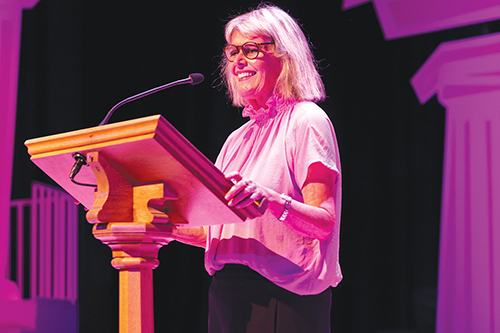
80, 160
196, 78
193, 79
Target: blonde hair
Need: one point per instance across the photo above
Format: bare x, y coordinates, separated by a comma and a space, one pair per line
299, 77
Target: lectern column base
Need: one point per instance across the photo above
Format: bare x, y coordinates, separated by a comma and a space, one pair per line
136, 301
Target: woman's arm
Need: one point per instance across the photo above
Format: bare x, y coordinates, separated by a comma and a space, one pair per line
193, 236
314, 218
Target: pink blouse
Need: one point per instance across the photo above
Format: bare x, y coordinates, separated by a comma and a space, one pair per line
275, 149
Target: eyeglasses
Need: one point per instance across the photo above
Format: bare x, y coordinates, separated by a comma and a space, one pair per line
250, 50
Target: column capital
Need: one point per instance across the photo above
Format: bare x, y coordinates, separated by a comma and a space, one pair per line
134, 245
17, 4
459, 68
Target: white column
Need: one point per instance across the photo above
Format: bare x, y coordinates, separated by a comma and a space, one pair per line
13, 313
465, 75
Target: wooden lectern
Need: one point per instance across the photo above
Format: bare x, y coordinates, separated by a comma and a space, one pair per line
148, 177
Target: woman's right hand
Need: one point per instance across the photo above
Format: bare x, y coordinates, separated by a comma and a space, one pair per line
196, 236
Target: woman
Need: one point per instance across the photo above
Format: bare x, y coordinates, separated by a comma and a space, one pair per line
273, 273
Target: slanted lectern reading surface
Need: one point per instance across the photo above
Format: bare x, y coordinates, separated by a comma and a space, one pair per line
148, 177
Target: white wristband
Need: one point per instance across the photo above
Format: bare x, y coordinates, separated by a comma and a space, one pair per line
286, 209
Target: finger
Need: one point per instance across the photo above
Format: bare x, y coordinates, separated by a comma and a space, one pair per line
244, 203
248, 200
240, 200
235, 189
246, 197
239, 192
234, 176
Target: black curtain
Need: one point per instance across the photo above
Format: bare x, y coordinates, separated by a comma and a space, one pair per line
80, 57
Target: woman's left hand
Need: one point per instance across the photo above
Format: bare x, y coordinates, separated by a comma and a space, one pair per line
245, 192
314, 217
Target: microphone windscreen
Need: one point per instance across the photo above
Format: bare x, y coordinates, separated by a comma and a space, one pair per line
196, 78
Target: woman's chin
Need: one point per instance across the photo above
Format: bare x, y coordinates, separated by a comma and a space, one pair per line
248, 94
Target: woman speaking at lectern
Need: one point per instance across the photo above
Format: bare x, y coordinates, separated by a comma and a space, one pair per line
273, 273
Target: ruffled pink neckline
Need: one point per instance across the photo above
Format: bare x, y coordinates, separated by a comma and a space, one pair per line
274, 105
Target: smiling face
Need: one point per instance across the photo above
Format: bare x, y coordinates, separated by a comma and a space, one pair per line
255, 78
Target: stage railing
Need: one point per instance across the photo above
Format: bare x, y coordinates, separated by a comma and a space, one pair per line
44, 244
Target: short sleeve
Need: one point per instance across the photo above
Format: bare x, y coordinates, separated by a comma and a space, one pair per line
310, 139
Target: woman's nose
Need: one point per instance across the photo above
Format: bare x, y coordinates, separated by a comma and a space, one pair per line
240, 58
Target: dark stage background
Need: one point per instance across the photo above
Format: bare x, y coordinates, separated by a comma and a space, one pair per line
81, 57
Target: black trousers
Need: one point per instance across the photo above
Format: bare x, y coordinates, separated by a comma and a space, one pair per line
241, 300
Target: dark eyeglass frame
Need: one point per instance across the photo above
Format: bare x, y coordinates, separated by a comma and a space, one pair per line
241, 47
